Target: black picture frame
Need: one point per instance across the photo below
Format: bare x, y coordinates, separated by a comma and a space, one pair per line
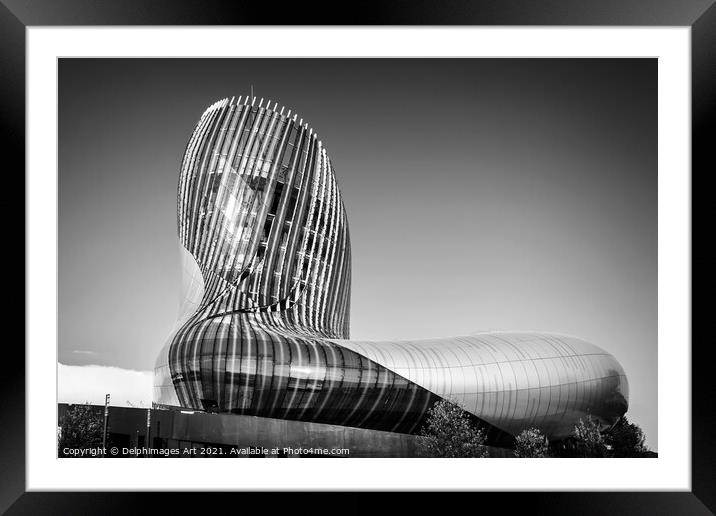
700, 15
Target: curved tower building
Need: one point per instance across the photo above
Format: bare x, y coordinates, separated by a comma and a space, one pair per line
264, 325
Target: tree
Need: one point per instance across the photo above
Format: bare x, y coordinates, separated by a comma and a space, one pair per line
531, 443
449, 432
81, 428
588, 439
626, 439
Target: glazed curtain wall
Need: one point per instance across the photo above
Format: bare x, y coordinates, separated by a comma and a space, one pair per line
238, 363
260, 212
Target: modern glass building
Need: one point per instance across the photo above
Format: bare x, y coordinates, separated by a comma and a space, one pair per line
264, 328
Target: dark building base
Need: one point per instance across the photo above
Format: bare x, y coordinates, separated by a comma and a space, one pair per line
174, 433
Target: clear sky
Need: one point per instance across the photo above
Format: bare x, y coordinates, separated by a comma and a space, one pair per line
513, 194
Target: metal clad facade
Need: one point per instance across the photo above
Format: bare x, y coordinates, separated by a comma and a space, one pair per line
264, 321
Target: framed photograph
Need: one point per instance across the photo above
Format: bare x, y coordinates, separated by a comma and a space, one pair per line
437, 236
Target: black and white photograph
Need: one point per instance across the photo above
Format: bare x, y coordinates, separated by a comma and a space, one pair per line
438, 249
357, 257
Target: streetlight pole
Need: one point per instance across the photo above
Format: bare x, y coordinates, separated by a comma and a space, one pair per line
104, 431
149, 429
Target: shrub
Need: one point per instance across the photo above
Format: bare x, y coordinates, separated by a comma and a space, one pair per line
531, 443
626, 439
81, 428
588, 439
449, 432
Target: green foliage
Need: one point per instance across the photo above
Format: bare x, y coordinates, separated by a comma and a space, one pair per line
81, 428
626, 440
531, 443
588, 439
449, 432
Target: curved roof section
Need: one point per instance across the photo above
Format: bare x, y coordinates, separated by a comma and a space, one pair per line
511, 380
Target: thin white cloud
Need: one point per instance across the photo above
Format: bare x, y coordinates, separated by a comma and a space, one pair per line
84, 352
126, 387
